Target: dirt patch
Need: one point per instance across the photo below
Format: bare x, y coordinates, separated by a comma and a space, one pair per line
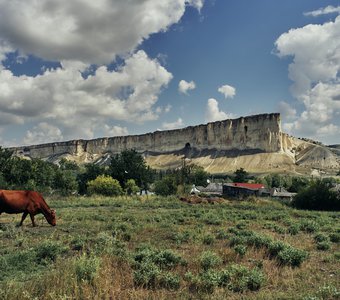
194, 199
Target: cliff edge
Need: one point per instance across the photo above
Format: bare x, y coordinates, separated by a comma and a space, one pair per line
255, 143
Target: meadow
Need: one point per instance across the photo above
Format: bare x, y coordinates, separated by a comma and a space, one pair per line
161, 248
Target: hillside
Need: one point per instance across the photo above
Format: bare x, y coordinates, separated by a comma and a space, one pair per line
255, 143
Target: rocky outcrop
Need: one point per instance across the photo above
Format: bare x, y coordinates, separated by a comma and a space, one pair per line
255, 143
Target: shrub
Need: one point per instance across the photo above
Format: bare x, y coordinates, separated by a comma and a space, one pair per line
86, 268
335, 237
104, 185
291, 256
275, 247
48, 251
131, 188
146, 275
166, 186
309, 226
181, 237
169, 281
209, 260
209, 280
239, 278
294, 229
240, 250
208, 239
320, 237
323, 245
318, 196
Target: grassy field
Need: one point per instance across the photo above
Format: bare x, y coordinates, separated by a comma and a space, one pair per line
161, 248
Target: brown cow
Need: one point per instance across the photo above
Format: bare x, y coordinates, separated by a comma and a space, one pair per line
26, 202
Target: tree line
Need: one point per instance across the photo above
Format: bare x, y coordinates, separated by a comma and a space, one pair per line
126, 173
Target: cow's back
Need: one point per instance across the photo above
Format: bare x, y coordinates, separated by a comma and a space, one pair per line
14, 201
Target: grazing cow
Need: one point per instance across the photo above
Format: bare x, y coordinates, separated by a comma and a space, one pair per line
26, 202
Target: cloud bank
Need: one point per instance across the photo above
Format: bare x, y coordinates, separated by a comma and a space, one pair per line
315, 74
82, 34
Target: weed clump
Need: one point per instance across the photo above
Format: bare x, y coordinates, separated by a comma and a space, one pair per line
86, 268
150, 264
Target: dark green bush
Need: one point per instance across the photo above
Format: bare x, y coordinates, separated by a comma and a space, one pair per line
323, 245
208, 239
318, 196
291, 256
240, 250
48, 251
169, 281
209, 260
335, 237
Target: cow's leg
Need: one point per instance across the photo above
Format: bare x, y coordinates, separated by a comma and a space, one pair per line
24, 215
32, 219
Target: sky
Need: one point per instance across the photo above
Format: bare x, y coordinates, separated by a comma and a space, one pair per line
86, 69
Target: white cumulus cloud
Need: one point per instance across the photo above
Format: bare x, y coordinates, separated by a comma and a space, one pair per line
64, 96
173, 125
184, 86
227, 90
315, 74
81, 35
83, 30
213, 113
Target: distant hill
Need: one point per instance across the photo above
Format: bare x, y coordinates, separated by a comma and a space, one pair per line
255, 143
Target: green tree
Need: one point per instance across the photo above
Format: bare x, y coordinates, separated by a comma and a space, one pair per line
65, 164
131, 187
318, 196
198, 176
65, 182
166, 186
241, 175
90, 172
129, 164
104, 185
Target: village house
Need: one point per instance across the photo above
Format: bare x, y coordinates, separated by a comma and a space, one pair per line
240, 189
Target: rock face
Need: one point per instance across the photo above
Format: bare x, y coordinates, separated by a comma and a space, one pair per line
254, 142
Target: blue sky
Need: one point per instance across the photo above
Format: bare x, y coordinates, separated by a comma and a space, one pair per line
141, 66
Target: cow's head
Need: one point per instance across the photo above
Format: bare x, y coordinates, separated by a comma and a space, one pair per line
51, 218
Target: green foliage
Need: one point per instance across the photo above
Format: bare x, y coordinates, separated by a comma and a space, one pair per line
240, 250
104, 185
48, 251
241, 175
129, 164
169, 281
131, 188
88, 173
209, 260
238, 278
65, 182
309, 226
335, 237
208, 239
318, 196
87, 268
149, 264
291, 256
166, 186
323, 245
